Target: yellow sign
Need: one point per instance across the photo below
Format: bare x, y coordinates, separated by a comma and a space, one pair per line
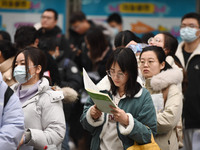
15, 4
148, 8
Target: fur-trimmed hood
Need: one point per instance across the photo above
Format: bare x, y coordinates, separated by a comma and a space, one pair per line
70, 95
166, 78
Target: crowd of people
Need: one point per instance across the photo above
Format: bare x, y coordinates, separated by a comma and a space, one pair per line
43, 103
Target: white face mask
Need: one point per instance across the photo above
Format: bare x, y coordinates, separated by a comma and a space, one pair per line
188, 34
20, 74
115, 31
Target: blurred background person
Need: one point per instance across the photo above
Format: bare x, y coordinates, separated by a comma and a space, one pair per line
7, 53
79, 26
115, 21
95, 58
70, 77
146, 36
5, 36
25, 36
49, 28
124, 37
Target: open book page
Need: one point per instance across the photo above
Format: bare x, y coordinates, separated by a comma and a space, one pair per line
102, 100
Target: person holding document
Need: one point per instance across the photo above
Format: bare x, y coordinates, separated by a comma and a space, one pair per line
134, 118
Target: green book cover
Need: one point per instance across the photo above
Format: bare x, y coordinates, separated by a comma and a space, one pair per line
102, 100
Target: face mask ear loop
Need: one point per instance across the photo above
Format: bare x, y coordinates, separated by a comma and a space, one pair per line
29, 77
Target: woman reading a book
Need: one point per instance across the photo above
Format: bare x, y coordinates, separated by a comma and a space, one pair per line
134, 118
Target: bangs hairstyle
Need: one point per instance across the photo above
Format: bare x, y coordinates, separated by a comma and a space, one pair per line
127, 62
36, 55
160, 54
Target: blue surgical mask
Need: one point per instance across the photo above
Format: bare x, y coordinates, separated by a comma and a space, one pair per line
20, 74
188, 34
115, 31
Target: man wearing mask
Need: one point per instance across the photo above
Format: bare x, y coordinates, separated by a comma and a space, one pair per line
115, 21
188, 53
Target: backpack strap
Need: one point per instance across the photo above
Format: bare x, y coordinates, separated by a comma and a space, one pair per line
9, 92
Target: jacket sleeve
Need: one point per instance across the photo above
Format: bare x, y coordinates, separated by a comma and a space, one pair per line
53, 124
168, 119
144, 121
71, 75
12, 124
87, 122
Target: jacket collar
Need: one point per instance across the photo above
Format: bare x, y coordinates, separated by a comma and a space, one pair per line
42, 87
179, 54
139, 93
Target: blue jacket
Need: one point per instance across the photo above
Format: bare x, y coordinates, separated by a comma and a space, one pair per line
11, 120
140, 109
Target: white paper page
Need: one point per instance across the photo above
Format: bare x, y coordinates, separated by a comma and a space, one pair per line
158, 102
88, 83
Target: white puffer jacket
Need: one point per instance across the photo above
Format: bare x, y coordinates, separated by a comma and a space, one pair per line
44, 117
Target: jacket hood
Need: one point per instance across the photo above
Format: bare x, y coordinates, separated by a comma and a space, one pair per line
166, 78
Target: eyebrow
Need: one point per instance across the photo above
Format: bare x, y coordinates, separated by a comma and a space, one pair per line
149, 58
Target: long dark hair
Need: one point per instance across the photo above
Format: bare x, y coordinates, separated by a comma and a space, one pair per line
97, 42
36, 55
170, 43
127, 63
124, 37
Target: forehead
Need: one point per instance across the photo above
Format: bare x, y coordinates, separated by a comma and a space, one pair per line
149, 55
113, 23
115, 66
190, 21
160, 36
48, 13
20, 56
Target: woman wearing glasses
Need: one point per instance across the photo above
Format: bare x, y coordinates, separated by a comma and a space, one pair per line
128, 122
162, 82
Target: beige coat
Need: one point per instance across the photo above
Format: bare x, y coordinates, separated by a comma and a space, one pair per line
168, 119
6, 70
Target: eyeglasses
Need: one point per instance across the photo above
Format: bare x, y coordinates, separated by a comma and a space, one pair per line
189, 25
154, 40
111, 73
149, 62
